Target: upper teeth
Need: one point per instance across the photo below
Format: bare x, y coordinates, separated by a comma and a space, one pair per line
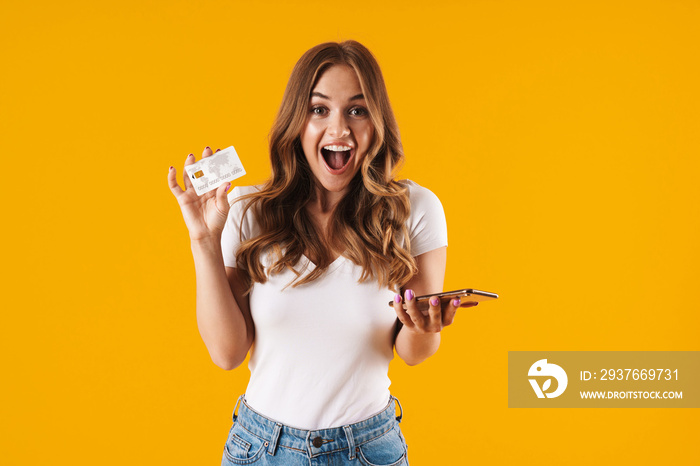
337, 148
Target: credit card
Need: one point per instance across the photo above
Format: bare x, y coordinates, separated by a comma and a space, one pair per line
211, 172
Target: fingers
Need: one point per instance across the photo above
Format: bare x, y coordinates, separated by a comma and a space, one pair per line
172, 174
448, 315
186, 179
172, 183
222, 199
416, 315
401, 313
439, 315
434, 321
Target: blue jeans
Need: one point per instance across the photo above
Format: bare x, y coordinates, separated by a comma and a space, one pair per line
255, 439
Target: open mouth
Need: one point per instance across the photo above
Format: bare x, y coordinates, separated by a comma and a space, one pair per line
336, 160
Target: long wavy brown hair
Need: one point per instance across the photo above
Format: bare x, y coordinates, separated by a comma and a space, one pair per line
368, 223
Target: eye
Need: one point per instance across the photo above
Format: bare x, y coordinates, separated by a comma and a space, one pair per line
359, 112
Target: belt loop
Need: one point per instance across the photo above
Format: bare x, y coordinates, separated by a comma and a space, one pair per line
275, 439
351, 441
234, 416
398, 418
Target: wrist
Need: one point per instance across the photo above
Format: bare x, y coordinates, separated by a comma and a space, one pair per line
206, 243
417, 334
414, 347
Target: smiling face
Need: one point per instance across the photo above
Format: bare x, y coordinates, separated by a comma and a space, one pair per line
338, 131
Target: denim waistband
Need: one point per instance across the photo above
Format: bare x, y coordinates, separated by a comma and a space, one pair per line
321, 441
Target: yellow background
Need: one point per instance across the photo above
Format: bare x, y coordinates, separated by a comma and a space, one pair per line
561, 137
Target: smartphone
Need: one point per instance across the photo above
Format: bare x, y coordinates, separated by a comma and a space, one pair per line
467, 295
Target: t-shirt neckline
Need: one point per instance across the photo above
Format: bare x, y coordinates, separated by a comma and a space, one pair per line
333, 265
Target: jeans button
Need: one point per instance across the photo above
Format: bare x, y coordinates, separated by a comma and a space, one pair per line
317, 442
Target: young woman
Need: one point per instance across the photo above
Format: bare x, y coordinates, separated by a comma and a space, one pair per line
299, 271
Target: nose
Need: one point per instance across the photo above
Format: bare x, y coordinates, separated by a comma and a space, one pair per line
337, 125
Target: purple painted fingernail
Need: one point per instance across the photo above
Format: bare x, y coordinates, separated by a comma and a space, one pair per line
409, 295
455, 302
434, 301
397, 298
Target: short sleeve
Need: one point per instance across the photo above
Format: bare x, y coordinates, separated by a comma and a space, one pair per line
427, 226
236, 231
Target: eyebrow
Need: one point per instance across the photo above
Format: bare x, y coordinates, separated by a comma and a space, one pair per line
318, 94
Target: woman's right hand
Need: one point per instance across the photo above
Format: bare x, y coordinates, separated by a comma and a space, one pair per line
205, 215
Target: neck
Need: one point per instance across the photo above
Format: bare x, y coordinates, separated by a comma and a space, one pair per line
324, 202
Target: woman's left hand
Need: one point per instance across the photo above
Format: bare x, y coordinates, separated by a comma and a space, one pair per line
438, 317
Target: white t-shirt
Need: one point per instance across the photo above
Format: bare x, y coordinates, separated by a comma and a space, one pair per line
322, 350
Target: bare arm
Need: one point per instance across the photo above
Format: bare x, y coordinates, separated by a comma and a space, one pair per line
412, 345
223, 314
419, 336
